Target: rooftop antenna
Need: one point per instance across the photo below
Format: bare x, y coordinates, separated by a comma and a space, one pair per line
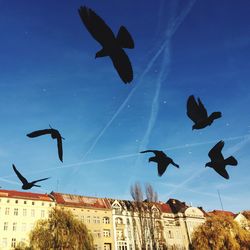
220, 200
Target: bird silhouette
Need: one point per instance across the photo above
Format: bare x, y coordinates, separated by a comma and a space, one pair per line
161, 159
111, 46
198, 113
27, 185
54, 135
218, 163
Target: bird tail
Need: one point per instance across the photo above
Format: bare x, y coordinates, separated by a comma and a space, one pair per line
176, 165
215, 115
36, 185
231, 161
124, 38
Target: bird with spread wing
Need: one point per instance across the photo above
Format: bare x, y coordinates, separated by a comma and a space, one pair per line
161, 159
27, 185
218, 163
198, 113
54, 135
111, 46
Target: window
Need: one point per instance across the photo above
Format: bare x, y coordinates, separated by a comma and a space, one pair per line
8, 201
16, 201
88, 219
42, 203
33, 203
32, 212
107, 246
24, 212
106, 233
14, 226
7, 211
170, 234
96, 219
16, 211
25, 202
5, 226
118, 221
42, 213
4, 243
105, 220
13, 242
97, 233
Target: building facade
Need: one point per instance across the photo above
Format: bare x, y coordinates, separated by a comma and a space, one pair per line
19, 212
115, 224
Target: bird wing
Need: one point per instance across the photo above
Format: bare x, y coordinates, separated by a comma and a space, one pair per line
33, 182
223, 172
150, 151
21, 178
59, 148
96, 25
203, 111
215, 152
161, 168
123, 65
39, 132
124, 38
193, 110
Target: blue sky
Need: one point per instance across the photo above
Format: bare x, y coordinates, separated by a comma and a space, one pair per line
49, 76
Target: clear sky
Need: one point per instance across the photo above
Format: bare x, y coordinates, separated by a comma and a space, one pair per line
49, 75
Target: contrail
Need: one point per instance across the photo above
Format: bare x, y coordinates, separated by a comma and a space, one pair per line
233, 149
118, 157
177, 22
165, 68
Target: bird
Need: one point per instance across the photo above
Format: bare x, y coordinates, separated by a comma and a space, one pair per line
198, 113
111, 46
54, 135
27, 185
218, 163
161, 159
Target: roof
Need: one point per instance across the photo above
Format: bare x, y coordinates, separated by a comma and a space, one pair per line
177, 206
222, 212
25, 195
80, 201
165, 208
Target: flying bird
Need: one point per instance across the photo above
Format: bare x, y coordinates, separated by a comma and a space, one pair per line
218, 163
27, 185
54, 135
161, 159
198, 113
111, 46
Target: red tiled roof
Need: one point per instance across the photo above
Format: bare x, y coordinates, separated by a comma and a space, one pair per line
221, 212
81, 201
165, 208
24, 195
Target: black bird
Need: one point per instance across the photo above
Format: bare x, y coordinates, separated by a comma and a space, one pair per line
162, 160
26, 185
198, 113
111, 46
218, 163
54, 135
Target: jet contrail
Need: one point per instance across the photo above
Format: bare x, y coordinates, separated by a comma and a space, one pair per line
165, 68
235, 148
118, 157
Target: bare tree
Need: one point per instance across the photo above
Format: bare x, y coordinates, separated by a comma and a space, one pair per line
145, 217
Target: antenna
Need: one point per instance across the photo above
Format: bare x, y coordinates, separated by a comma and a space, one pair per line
220, 200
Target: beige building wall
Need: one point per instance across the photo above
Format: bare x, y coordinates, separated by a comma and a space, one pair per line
19, 211
96, 215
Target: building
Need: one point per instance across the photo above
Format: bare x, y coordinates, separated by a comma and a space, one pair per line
115, 224
96, 214
239, 217
19, 212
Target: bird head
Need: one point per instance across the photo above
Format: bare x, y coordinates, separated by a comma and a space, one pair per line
208, 164
193, 127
